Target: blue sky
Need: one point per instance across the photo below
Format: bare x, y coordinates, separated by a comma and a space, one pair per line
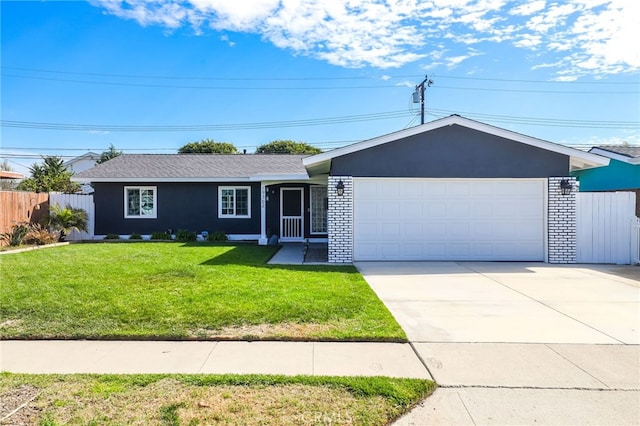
150, 76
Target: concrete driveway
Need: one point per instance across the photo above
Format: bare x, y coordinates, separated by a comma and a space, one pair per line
519, 343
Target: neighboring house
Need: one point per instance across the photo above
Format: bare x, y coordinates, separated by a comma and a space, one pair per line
9, 180
622, 173
82, 162
451, 189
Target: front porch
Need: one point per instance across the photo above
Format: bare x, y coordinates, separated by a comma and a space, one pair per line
294, 212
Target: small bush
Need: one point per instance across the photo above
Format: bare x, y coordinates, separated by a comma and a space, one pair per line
112, 237
183, 235
217, 236
135, 236
39, 235
16, 236
160, 236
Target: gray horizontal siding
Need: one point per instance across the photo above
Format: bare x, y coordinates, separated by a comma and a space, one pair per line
190, 206
452, 152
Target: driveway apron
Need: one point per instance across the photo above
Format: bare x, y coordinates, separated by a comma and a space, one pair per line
519, 343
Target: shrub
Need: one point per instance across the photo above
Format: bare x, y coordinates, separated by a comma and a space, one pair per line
183, 235
217, 236
40, 235
67, 220
15, 237
160, 236
112, 237
135, 236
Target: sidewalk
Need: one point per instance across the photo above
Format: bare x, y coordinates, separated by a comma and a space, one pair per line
287, 358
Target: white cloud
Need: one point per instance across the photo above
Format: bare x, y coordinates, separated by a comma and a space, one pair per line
528, 8
578, 36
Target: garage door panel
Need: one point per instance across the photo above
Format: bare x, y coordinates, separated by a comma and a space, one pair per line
454, 219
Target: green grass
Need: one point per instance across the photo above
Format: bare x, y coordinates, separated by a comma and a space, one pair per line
208, 399
184, 291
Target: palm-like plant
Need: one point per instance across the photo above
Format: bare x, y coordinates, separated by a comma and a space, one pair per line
68, 219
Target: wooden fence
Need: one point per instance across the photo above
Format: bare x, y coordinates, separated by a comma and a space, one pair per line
19, 206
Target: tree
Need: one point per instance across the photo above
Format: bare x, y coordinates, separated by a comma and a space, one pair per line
50, 176
208, 146
67, 220
109, 154
287, 147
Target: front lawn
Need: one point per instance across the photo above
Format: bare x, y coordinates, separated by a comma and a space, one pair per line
203, 399
184, 291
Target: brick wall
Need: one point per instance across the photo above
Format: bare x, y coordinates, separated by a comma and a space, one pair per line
340, 220
561, 222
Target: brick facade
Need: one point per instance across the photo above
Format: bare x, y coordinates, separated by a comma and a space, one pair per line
561, 222
340, 220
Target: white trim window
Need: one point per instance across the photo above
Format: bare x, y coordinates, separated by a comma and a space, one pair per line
319, 203
234, 201
140, 202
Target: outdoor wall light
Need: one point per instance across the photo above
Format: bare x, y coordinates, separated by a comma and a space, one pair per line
340, 188
565, 187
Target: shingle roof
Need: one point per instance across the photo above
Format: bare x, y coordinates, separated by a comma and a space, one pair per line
193, 167
626, 150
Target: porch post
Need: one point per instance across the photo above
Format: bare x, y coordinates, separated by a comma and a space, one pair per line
263, 215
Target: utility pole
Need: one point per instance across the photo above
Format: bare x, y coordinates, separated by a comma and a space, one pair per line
418, 95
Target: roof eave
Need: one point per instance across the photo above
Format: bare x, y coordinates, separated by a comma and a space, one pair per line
254, 178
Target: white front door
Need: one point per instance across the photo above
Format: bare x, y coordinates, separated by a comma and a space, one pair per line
291, 214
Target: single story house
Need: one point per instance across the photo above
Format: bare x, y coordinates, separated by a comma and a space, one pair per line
622, 173
450, 189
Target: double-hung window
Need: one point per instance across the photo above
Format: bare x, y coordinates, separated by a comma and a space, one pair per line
234, 201
140, 202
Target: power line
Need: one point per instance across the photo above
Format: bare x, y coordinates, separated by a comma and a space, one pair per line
539, 121
382, 77
191, 87
203, 127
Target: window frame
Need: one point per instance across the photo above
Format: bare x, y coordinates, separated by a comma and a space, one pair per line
311, 209
140, 188
235, 200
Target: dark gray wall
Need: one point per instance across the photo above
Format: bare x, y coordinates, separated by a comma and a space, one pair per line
452, 152
190, 206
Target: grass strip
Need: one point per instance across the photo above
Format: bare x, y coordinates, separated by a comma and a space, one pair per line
208, 399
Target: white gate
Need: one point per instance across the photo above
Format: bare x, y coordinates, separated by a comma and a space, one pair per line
80, 201
605, 227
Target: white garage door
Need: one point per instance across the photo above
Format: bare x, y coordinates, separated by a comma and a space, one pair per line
449, 219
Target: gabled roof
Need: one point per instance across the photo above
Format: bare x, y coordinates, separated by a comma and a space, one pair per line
196, 168
320, 163
627, 153
88, 156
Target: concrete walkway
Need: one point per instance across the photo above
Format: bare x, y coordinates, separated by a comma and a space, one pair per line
294, 254
287, 358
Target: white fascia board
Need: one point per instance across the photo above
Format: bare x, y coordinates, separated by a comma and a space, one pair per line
284, 178
255, 178
586, 158
615, 155
152, 179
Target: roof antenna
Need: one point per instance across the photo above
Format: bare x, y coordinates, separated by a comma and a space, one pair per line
418, 95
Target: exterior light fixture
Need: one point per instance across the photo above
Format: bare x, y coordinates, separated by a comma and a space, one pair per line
565, 187
340, 188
